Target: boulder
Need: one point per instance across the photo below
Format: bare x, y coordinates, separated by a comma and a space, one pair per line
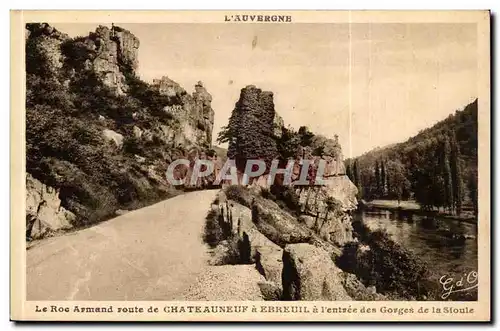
269, 262
309, 274
137, 132
114, 137
272, 221
270, 291
358, 291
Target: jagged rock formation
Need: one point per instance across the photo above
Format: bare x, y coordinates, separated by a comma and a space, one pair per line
114, 49
195, 111
278, 125
257, 232
49, 41
327, 209
97, 133
44, 212
252, 128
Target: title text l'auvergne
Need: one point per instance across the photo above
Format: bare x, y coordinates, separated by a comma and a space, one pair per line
258, 18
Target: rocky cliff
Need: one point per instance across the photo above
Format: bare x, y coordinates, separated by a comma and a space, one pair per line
256, 131
252, 128
99, 136
293, 233
195, 111
296, 262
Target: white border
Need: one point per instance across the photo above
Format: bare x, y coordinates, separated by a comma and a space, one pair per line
186, 4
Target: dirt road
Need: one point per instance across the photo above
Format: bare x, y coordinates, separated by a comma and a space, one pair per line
154, 253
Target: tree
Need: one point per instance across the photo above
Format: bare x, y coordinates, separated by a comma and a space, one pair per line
225, 135
377, 178
438, 175
456, 173
357, 180
288, 143
448, 187
306, 136
397, 181
383, 178
473, 192
348, 170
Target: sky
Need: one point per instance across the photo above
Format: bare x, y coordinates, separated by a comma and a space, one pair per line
371, 84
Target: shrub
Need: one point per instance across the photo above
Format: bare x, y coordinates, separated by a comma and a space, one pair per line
385, 264
286, 198
239, 194
213, 233
266, 194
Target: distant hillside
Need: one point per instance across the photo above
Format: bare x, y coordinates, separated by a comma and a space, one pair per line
437, 167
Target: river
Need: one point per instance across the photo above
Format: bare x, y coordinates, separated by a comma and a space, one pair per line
429, 238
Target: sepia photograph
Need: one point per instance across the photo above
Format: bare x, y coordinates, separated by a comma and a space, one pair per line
254, 158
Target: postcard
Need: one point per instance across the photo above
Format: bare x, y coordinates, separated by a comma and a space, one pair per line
250, 166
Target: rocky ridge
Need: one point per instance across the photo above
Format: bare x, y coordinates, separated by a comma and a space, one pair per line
293, 234
296, 263
325, 208
97, 135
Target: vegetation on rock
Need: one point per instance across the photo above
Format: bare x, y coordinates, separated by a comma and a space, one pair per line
71, 103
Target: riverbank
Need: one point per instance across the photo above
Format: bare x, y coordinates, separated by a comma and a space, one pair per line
413, 207
404, 261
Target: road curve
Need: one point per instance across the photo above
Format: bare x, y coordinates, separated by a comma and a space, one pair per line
154, 253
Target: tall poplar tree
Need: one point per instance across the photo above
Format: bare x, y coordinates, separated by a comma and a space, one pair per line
456, 173
383, 178
448, 186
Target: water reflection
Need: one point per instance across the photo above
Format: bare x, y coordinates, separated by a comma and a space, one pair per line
448, 246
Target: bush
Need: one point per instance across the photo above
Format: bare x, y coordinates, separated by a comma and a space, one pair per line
266, 194
286, 198
213, 233
239, 194
385, 264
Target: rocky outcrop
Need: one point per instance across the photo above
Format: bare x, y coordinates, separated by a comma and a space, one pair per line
278, 125
44, 213
48, 44
251, 127
112, 135
304, 270
253, 245
309, 274
128, 47
194, 112
326, 209
108, 52
116, 51
272, 221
